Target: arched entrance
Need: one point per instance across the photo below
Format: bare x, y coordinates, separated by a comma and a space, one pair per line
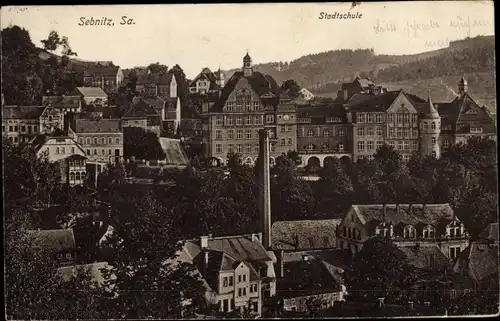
249, 161
330, 161
313, 164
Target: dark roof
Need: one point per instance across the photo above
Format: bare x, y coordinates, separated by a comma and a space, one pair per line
97, 126
22, 112
319, 113
259, 83
302, 278
306, 234
205, 73
95, 271
426, 257
53, 240
372, 103
101, 71
480, 260
62, 101
490, 233
141, 109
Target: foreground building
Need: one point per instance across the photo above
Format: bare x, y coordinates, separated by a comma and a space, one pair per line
237, 271
102, 140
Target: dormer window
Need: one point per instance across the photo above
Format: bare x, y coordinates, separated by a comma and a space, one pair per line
384, 229
409, 232
454, 229
428, 232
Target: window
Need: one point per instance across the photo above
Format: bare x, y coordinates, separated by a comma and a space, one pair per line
326, 132
428, 232
361, 146
230, 148
225, 283
256, 120
371, 157
341, 132
230, 134
23, 128
229, 121
3, 129
244, 291
117, 140
230, 281
344, 232
433, 125
88, 151
219, 121
361, 132
244, 277
238, 120
400, 132
253, 288
239, 148
391, 132
248, 120
310, 146
361, 118
380, 118
433, 140
454, 252
256, 105
369, 118
249, 134
407, 132
240, 291
446, 143
249, 148
95, 151
426, 125
10, 129
409, 232
413, 118
218, 148
103, 140
283, 142
406, 158
369, 131
369, 145
453, 294
434, 154
310, 133
109, 152
414, 132
218, 134
400, 145
269, 118
406, 145
290, 141
379, 144
63, 151
380, 131
239, 134
476, 130
239, 279
57, 150
414, 145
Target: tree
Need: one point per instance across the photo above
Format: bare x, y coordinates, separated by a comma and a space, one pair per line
291, 88
142, 144
54, 42
379, 269
315, 307
334, 190
157, 68
145, 278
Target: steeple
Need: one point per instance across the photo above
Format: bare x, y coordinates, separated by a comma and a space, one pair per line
247, 65
430, 111
219, 75
462, 86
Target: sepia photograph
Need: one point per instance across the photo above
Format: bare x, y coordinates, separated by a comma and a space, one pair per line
246, 161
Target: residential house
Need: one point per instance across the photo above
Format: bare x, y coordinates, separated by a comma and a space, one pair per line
358, 86
20, 124
156, 84
306, 94
141, 114
64, 104
102, 140
406, 225
247, 103
62, 148
308, 279
58, 244
237, 271
108, 78
207, 81
92, 96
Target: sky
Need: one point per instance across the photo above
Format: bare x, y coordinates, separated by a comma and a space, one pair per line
219, 35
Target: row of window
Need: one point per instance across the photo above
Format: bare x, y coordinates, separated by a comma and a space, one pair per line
102, 152
62, 150
101, 141
351, 233
327, 132
428, 232
370, 131
370, 145
402, 132
434, 125
370, 117
403, 145
24, 129
242, 106
324, 146
402, 118
284, 142
77, 163
240, 148
238, 121
76, 176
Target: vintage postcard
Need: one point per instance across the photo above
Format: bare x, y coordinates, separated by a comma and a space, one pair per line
279, 160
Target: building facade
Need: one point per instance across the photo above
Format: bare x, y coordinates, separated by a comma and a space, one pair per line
102, 140
92, 96
109, 78
207, 81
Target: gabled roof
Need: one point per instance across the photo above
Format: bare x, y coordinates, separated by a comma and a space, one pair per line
53, 240
97, 126
259, 83
22, 112
141, 109
426, 257
302, 278
490, 233
91, 92
62, 101
479, 259
363, 102
305, 234
432, 214
101, 71
205, 73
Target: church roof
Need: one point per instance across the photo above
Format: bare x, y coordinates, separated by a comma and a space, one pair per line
430, 111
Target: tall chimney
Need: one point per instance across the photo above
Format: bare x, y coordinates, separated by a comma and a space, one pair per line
264, 188
281, 270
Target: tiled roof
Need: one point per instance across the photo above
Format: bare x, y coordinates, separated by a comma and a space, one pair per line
53, 240
433, 214
205, 73
141, 109
22, 112
97, 126
306, 234
480, 260
308, 277
101, 71
490, 233
94, 270
372, 103
62, 101
426, 257
91, 92
154, 79
319, 113
260, 83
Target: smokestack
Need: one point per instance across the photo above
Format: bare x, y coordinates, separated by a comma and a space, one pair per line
281, 270
264, 188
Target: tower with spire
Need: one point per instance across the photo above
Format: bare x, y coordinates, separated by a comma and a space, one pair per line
430, 130
219, 78
247, 65
462, 86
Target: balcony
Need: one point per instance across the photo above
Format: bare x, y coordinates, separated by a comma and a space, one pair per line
303, 120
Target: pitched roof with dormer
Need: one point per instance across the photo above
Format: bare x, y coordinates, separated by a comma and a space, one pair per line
365, 102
